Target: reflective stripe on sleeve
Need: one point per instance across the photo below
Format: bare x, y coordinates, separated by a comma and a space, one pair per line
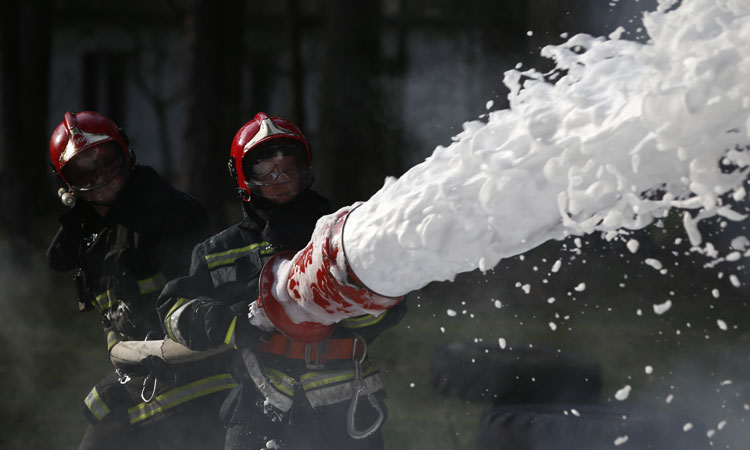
180, 395
113, 338
96, 405
229, 338
274, 396
329, 394
313, 380
153, 284
106, 300
362, 321
172, 319
229, 256
281, 381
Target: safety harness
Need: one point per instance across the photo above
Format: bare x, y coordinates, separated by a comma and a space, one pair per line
321, 387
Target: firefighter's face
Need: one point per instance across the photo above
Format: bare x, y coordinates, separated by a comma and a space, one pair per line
277, 178
107, 194
97, 174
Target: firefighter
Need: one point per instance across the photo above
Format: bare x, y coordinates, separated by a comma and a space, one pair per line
291, 394
126, 233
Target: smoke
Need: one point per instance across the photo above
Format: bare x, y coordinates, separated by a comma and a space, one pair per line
50, 353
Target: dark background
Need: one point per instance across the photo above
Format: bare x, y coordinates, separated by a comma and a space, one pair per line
375, 86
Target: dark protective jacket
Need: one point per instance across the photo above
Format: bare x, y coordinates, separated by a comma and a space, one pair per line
121, 263
209, 307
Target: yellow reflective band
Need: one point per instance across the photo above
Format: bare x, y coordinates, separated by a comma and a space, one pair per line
113, 338
228, 257
180, 301
106, 300
312, 380
281, 381
153, 284
96, 405
362, 321
178, 396
230, 332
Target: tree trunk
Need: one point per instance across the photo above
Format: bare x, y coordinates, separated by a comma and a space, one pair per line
296, 77
351, 160
25, 188
212, 118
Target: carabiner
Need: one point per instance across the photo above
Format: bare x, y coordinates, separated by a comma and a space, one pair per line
359, 387
153, 390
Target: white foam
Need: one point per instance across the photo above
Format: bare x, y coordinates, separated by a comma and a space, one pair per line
623, 393
661, 308
630, 131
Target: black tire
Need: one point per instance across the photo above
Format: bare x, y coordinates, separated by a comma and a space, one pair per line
475, 372
585, 427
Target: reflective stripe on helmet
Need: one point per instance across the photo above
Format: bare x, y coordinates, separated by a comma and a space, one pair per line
153, 284
180, 395
80, 140
268, 128
96, 405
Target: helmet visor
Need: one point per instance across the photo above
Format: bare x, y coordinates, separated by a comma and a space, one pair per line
94, 167
276, 166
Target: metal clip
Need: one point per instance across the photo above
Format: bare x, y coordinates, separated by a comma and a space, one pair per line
122, 377
321, 355
153, 390
358, 388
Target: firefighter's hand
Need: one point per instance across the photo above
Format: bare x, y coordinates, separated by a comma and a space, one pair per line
247, 334
122, 321
71, 223
154, 364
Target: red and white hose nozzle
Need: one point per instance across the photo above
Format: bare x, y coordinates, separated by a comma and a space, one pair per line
305, 294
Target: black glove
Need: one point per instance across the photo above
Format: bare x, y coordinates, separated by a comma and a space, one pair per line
290, 225
246, 334
63, 252
154, 364
71, 223
122, 321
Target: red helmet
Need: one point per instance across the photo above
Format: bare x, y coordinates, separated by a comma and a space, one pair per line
255, 136
79, 132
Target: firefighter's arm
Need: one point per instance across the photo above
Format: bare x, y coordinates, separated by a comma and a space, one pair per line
370, 326
63, 252
187, 312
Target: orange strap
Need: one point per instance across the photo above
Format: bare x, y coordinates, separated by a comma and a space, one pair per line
337, 348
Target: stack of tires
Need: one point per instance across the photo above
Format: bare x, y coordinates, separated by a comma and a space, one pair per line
545, 400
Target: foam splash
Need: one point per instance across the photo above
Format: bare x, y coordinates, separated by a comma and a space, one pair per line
620, 133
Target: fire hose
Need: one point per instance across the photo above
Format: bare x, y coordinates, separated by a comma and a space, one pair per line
129, 353
302, 295
318, 283
126, 353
